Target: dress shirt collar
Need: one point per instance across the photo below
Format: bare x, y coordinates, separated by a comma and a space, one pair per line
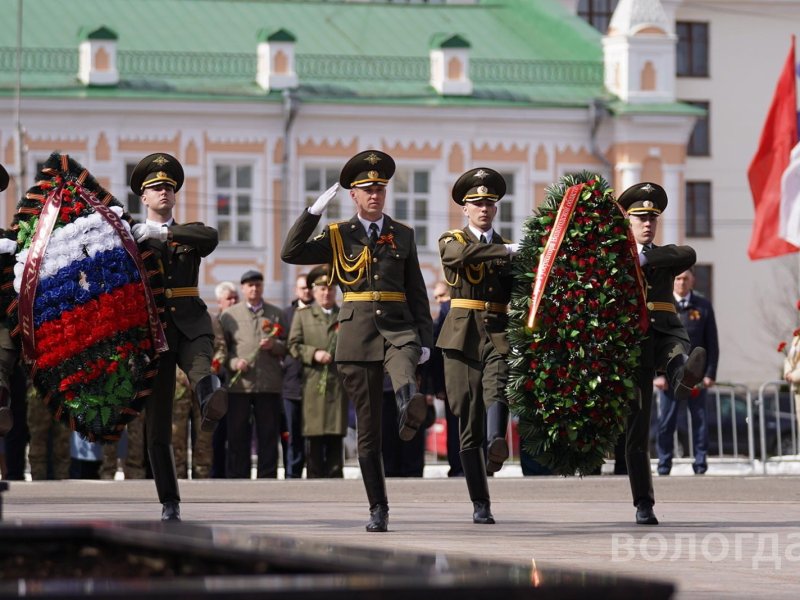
366, 224
255, 308
157, 224
478, 233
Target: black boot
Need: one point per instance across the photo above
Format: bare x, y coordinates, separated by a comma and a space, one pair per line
645, 514
213, 400
6, 418
375, 484
475, 473
162, 461
685, 372
412, 408
496, 425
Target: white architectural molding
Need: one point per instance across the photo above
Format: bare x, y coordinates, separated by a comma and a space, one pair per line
449, 58
276, 60
97, 62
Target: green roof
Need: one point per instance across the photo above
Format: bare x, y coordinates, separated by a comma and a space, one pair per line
522, 52
101, 33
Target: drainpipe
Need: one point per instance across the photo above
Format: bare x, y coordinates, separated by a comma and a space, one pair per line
291, 104
597, 111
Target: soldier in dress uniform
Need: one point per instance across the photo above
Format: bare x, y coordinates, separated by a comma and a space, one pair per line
666, 346
477, 267
385, 319
179, 249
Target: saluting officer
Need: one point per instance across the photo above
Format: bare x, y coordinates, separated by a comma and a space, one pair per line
187, 325
8, 351
384, 321
477, 267
666, 346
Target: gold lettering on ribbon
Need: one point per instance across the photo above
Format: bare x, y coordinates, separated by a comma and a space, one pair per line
548, 257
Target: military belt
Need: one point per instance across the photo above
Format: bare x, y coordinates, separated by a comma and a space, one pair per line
374, 297
182, 292
494, 307
662, 306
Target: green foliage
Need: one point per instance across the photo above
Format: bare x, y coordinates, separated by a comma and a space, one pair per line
572, 377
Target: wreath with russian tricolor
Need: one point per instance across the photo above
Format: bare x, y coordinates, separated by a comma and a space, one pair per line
78, 301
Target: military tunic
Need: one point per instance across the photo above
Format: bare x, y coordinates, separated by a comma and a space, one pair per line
474, 341
375, 334
666, 338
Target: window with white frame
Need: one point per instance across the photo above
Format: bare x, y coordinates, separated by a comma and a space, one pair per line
317, 179
411, 190
233, 191
504, 220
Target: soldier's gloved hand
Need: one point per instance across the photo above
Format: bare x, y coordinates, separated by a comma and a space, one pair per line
324, 198
424, 355
8, 246
143, 231
513, 249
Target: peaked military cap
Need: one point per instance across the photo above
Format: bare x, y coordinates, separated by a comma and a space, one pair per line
318, 276
3, 178
154, 169
478, 184
371, 167
644, 198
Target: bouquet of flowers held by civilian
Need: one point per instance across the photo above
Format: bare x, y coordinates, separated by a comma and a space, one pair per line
269, 329
575, 340
78, 298
322, 386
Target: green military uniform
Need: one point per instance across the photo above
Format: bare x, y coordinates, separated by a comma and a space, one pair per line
48, 438
473, 336
186, 413
324, 413
664, 348
187, 326
384, 320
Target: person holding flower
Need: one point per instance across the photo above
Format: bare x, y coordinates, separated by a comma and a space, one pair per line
666, 346
187, 324
385, 320
312, 341
255, 337
791, 366
477, 267
8, 351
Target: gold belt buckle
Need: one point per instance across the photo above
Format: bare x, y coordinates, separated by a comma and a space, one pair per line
376, 296
168, 292
487, 306
650, 306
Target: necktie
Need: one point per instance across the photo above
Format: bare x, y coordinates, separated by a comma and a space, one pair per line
483, 239
683, 303
373, 234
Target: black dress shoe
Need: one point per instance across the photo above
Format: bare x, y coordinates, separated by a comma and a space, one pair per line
378, 518
482, 514
645, 514
411, 417
700, 469
496, 454
171, 511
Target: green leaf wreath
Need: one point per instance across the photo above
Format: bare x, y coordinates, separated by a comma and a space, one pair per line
572, 377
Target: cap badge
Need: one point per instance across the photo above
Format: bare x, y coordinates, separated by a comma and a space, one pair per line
483, 190
648, 188
162, 175
160, 161
372, 174
481, 174
373, 158
647, 204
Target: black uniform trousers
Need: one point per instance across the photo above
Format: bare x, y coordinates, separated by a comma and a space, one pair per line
657, 350
194, 359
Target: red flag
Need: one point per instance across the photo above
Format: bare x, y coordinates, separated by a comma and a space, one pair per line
771, 159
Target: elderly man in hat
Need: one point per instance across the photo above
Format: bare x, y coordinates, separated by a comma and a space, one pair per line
477, 268
666, 346
255, 336
187, 325
8, 351
385, 320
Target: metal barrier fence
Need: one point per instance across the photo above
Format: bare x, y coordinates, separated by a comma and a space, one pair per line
777, 421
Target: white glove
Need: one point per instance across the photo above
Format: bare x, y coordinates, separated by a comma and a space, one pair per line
513, 249
143, 231
322, 202
7, 246
424, 355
